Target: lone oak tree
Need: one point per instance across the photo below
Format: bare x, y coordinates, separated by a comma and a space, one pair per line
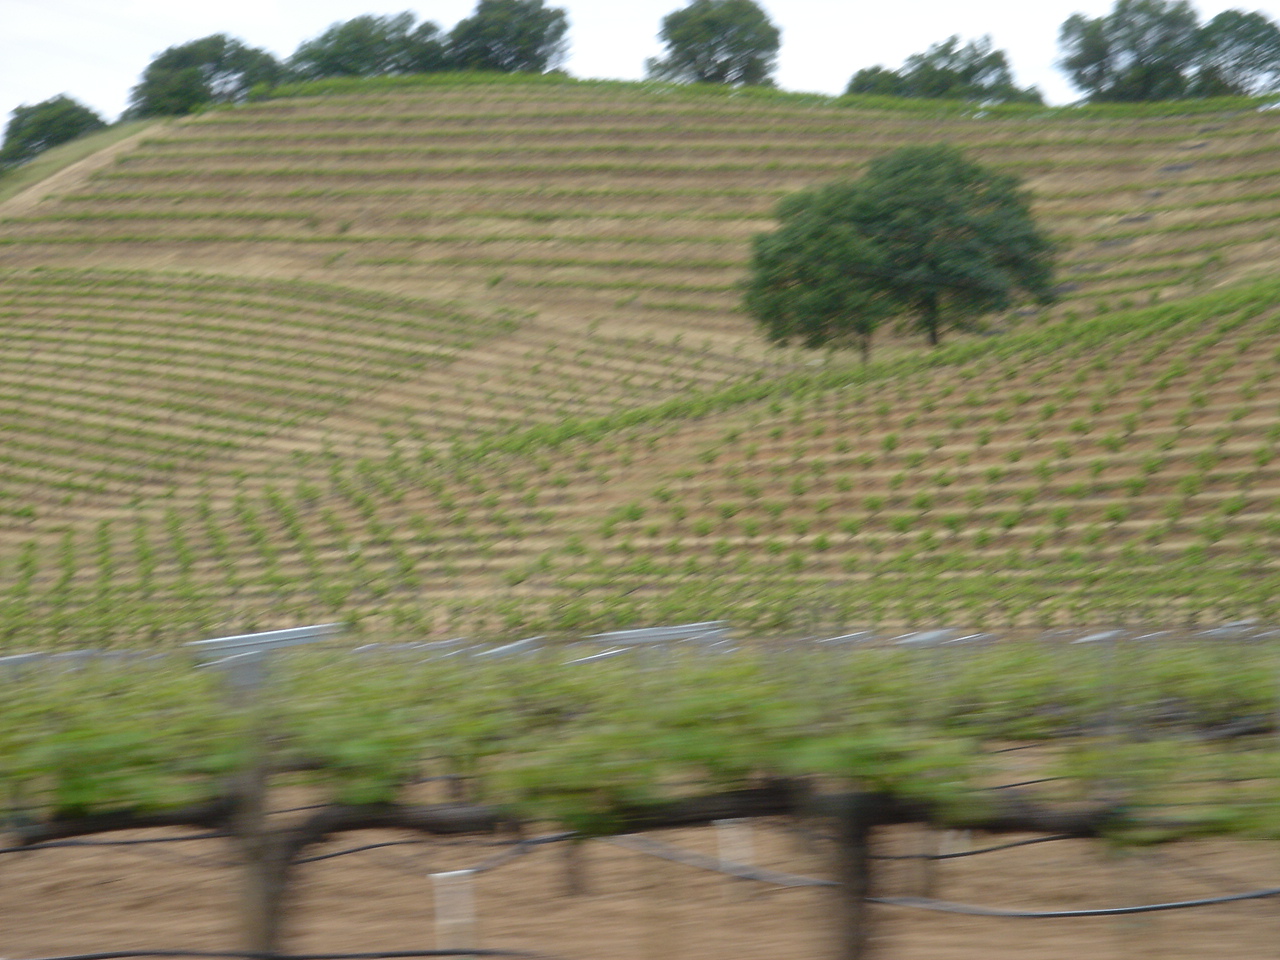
925, 235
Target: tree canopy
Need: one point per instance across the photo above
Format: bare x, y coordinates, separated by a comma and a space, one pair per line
511, 36
1158, 50
975, 71
1239, 54
215, 69
370, 46
717, 41
925, 236
33, 129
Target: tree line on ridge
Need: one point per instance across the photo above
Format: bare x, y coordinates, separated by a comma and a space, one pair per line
1142, 50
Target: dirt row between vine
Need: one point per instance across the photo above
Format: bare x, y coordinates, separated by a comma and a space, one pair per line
636, 907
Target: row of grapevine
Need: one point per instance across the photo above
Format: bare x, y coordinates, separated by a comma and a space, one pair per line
428, 187
1111, 468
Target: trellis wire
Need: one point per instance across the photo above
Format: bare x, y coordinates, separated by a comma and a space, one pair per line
945, 906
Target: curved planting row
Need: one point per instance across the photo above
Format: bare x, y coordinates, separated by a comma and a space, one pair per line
117, 386
1102, 470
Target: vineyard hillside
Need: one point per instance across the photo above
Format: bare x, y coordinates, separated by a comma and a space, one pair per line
467, 354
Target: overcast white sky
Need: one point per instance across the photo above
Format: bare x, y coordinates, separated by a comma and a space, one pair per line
95, 50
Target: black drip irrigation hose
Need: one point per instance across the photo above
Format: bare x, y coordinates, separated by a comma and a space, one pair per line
1015, 749
974, 853
778, 878
946, 906
513, 849
56, 844
384, 955
688, 858
1026, 783
521, 847
665, 852
62, 844
500, 859
368, 846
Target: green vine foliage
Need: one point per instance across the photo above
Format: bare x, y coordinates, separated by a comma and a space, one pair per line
579, 743
105, 738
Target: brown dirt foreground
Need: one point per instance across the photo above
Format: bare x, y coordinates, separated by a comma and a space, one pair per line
636, 907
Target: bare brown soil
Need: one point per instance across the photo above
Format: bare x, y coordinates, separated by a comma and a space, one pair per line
71, 177
636, 907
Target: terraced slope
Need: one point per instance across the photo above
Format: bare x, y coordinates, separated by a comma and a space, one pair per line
467, 356
629, 204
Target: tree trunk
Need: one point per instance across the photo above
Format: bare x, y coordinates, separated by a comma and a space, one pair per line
266, 857
853, 874
264, 885
929, 318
